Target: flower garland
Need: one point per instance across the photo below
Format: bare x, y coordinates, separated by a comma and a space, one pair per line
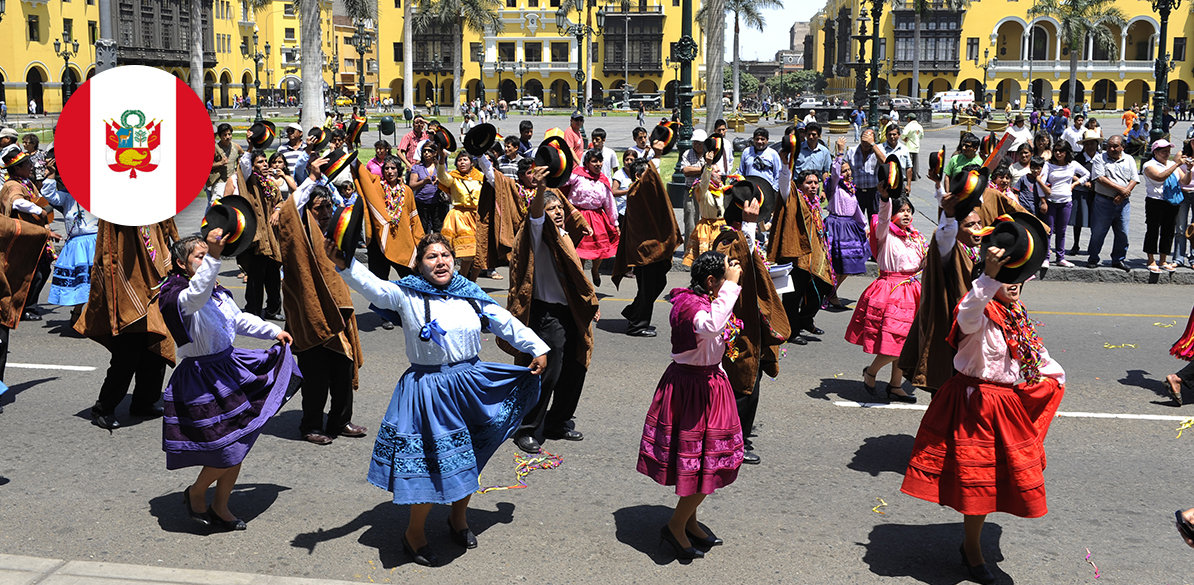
1021, 337
395, 197
267, 186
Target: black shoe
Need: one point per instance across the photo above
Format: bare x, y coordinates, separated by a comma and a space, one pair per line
815, 330
275, 316
227, 525
978, 573
642, 333
30, 316
387, 325
565, 435
200, 517
798, 340
1121, 266
464, 538
893, 397
527, 443
706, 543
423, 556
105, 421
682, 553
751, 458
152, 411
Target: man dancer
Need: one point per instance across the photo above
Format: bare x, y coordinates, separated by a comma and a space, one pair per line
649, 239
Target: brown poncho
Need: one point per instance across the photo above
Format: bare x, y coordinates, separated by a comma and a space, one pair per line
650, 234
130, 263
397, 238
265, 242
500, 212
764, 322
797, 237
21, 247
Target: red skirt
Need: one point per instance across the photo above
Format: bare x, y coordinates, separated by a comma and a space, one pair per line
692, 438
1183, 349
604, 241
883, 316
983, 451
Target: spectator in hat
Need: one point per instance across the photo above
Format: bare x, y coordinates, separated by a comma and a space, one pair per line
1019, 132
572, 135
1160, 215
294, 147
1084, 191
691, 164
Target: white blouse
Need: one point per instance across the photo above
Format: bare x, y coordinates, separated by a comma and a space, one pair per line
213, 320
462, 326
982, 351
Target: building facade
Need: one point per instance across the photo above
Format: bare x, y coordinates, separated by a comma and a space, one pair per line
994, 47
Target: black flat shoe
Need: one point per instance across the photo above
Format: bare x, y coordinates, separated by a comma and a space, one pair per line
978, 573
706, 543
870, 388
642, 333
564, 435
201, 518
464, 538
798, 340
423, 556
750, 458
226, 525
815, 330
893, 397
682, 553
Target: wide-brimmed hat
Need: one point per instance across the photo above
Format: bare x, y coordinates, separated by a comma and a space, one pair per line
936, 162
15, 156
666, 132
891, 175
321, 137
1023, 239
988, 145
716, 145
338, 160
789, 146
262, 134
699, 135
967, 187
746, 189
444, 138
233, 214
345, 227
1091, 134
555, 154
480, 138
355, 127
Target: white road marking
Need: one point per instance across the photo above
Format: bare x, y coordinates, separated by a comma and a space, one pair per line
1065, 414
52, 367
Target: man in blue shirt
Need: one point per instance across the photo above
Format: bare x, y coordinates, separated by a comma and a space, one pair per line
866, 184
760, 161
858, 120
813, 155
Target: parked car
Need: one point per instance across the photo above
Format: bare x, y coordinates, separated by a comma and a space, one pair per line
651, 102
344, 101
901, 103
526, 102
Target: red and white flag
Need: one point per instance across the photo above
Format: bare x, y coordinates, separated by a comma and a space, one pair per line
134, 145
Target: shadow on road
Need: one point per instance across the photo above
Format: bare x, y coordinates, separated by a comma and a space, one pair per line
248, 501
612, 325
638, 528
844, 387
386, 523
11, 395
285, 425
1145, 380
883, 453
928, 553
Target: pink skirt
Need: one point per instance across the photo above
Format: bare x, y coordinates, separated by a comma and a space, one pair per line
692, 438
883, 316
604, 241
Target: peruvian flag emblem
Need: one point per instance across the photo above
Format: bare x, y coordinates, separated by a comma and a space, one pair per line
134, 145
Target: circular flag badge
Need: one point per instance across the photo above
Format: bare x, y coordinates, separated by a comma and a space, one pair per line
134, 145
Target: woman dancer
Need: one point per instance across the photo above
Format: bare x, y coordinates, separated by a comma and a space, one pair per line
1183, 349
463, 185
845, 225
708, 192
692, 438
71, 282
885, 311
590, 192
219, 397
450, 411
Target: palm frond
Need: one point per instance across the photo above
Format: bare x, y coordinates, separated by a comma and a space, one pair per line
480, 16
360, 9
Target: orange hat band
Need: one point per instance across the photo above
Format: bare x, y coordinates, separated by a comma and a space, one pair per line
559, 171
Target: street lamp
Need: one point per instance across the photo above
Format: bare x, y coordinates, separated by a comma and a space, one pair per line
860, 67
435, 63
580, 30
520, 70
66, 48
989, 63
873, 110
362, 41
684, 51
257, 57
499, 67
1160, 92
335, 79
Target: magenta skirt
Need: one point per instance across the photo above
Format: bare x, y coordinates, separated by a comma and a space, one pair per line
883, 316
692, 438
604, 241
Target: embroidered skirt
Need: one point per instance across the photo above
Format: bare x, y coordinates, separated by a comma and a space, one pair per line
442, 426
980, 447
71, 282
215, 405
704, 233
847, 244
884, 314
1183, 348
460, 227
692, 438
604, 241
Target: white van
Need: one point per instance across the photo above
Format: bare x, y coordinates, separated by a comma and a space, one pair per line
943, 101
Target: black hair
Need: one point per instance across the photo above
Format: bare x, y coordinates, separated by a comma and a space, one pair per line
640, 131
319, 192
1064, 146
762, 132
224, 126
277, 155
593, 153
597, 133
257, 153
901, 202
1023, 147
430, 239
337, 134
720, 122
1001, 171
524, 164
381, 144
710, 263
1036, 161
812, 126
180, 250
1039, 136
802, 175
513, 140
525, 125
637, 168
968, 138
393, 160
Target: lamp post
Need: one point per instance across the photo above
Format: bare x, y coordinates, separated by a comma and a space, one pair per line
66, 48
579, 30
1160, 92
989, 63
684, 51
873, 110
480, 57
675, 67
860, 67
257, 56
362, 41
335, 79
499, 67
435, 63
520, 70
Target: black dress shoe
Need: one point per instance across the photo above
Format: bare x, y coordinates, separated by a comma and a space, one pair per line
642, 333
893, 397
200, 517
152, 411
1121, 266
226, 525
105, 421
565, 435
30, 316
423, 556
275, 316
387, 325
751, 458
527, 443
978, 573
815, 330
682, 553
464, 538
798, 340
706, 543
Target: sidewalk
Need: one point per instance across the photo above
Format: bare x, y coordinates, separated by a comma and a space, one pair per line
18, 570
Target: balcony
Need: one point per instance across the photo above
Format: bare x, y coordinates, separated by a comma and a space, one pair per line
641, 68
926, 66
615, 9
444, 67
1089, 68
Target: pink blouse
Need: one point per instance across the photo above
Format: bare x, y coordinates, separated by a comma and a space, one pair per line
585, 193
896, 254
982, 351
708, 326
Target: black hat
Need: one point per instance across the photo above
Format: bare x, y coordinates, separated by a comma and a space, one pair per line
936, 162
577, 115
891, 175
789, 146
338, 160
555, 154
716, 145
988, 145
667, 133
480, 138
967, 187
262, 134
748, 189
233, 214
15, 156
1023, 238
355, 127
321, 138
444, 138
345, 227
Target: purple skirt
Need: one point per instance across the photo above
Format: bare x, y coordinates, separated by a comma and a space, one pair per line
692, 438
847, 244
215, 405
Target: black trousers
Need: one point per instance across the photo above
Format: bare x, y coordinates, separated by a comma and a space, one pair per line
651, 279
432, 214
564, 377
3, 350
380, 266
131, 359
41, 276
748, 405
869, 200
265, 280
802, 304
325, 372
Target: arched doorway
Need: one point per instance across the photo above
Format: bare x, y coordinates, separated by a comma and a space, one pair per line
1179, 90
647, 86
509, 91
534, 87
669, 94
225, 85
209, 87
1103, 97
33, 89
445, 93
70, 83
1064, 96
1008, 90
396, 91
423, 91
292, 88
937, 86
597, 93
1136, 93
972, 85
246, 81
561, 94
1042, 94
473, 90
904, 87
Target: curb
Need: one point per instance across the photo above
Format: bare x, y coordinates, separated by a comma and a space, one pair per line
22, 569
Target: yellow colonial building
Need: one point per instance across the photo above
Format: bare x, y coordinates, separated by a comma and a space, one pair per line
529, 56
994, 45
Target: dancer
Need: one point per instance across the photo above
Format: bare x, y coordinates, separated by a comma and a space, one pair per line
692, 438
591, 193
71, 283
1183, 349
884, 313
450, 411
263, 262
463, 184
394, 222
845, 225
219, 396
1004, 396
708, 192
798, 236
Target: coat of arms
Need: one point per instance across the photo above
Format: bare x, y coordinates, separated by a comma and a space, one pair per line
133, 142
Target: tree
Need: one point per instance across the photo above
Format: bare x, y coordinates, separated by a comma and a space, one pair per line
790, 84
408, 56
196, 48
743, 10
715, 50
311, 67
748, 84
479, 16
1082, 19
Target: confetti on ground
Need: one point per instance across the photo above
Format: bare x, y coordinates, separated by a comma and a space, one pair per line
1159, 324
1096, 567
523, 466
881, 504
1120, 346
1185, 424
838, 375
783, 352
1038, 323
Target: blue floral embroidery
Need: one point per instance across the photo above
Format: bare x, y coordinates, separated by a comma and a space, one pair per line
410, 455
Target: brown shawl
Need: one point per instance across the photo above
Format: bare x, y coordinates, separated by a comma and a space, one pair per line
124, 282
582, 299
764, 322
14, 190
500, 214
398, 240
317, 303
650, 234
265, 242
21, 247
796, 239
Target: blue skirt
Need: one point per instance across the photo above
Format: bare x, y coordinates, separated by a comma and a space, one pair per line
847, 244
215, 405
442, 426
71, 283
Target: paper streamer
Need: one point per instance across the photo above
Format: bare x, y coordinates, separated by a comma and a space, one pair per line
1120, 346
523, 466
1185, 424
880, 505
1166, 325
1096, 567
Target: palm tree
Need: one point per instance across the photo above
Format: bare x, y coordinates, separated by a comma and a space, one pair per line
311, 66
196, 40
744, 10
921, 8
1080, 20
479, 16
408, 56
715, 52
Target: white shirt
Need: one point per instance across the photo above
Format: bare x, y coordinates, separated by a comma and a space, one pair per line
982, 351
1074, 137
457, 317
609, 162
213, 320
1021, 135
547, 286
645, 153
78, 221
